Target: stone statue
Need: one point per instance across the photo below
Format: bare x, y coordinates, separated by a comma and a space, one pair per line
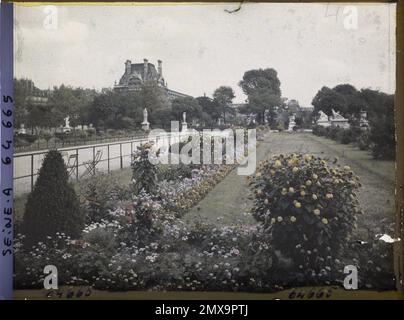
323, 120
145, 123
67, 122
145, 115
336, 115
22, 129
184, 122
66, 128
338, 120
292, 122
323, 116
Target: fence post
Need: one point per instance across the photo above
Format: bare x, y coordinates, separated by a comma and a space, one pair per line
108, 156
77, 164
32, 172
120, 152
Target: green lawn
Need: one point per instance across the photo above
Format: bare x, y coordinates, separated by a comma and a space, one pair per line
228, 202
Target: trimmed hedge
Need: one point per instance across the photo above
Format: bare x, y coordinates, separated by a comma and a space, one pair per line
53, 205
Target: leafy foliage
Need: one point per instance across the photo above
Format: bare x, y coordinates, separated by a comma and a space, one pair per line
262, 87
223, 96
308, 207
144, 172
52, 206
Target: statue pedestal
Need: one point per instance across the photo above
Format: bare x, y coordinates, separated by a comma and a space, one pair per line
66, 129
145, 126
184, 126
292, 124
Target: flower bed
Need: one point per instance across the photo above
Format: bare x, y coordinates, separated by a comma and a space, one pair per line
305, 207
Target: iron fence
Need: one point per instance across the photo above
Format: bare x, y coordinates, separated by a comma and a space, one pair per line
114, 155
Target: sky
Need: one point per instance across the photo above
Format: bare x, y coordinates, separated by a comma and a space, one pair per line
202, 46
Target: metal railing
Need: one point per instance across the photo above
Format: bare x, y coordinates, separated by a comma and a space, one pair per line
72, 141
117, 153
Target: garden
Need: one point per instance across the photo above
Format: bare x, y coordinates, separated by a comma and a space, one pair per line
120, 237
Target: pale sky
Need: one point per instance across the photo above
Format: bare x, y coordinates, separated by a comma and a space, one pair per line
203, 47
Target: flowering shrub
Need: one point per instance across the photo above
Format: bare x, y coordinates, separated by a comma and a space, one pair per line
100, 194
199, 257
374, 259
308, 207
144, 172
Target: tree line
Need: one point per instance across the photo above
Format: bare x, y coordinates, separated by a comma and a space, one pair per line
350, 102
111, 109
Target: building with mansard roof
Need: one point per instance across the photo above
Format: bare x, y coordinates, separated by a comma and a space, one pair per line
138, 74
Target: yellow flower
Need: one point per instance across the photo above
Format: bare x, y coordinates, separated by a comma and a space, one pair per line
280, 219
277, 164
291, 162
302, 193
284, 191
347, 168
291, 190
316, 212
293, 219
298, 205
324, 220
295, 169
329, 196
314, 196
259, 191
315, 176
273, 220
308, 183
266, 201
307, 157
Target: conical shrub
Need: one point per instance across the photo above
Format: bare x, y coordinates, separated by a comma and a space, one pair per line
53, 205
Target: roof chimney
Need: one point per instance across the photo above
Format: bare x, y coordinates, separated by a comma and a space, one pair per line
128, 65
145, 66
160, 68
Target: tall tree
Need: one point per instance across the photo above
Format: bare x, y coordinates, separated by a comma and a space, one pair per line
327, 99
156, 101
343, 98
63, 103
224, 96
187, 104
262, 87
210, 107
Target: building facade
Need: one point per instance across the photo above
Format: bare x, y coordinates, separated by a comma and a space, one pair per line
138, 74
